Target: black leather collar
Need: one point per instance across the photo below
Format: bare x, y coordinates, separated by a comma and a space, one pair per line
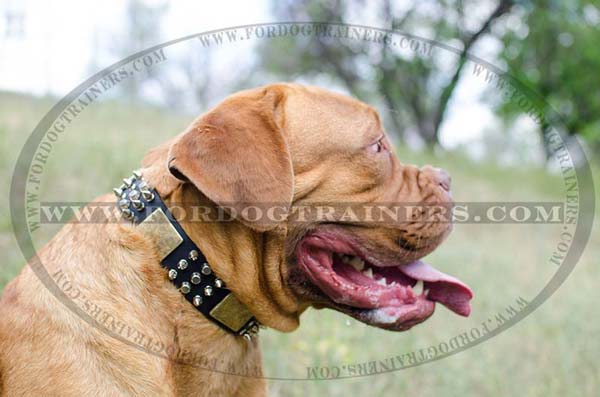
186, 266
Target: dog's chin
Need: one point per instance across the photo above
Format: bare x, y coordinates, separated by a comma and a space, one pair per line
334, 270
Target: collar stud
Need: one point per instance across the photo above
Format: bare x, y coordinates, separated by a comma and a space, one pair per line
178, 253
185, 288
182, 264
196, 278
197, 300
206, 270
193, 255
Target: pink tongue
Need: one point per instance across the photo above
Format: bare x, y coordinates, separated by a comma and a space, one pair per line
449, 291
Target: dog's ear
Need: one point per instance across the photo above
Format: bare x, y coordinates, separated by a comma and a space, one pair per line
154, 171
237, 155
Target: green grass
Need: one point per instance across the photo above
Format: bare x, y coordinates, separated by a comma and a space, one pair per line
553, 352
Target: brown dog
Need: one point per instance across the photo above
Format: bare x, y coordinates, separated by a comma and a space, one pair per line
283, 144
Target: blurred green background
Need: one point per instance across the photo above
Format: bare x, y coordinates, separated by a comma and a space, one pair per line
436, 113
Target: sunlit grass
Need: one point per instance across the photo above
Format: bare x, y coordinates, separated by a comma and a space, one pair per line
552, 352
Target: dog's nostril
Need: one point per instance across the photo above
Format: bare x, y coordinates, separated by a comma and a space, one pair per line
437, 175
444, 179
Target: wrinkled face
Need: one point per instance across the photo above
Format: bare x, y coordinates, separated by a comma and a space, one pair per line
304, 147
366, 265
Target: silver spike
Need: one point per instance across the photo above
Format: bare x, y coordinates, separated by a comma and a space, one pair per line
128, 182
123, 203
219, 283
172, 274
134, 195
196, 278
208, 291
193, 255
205, 269
137, 204
197, 301
118, 191
182, 265
185, 287
137, 174
253, 329
127, 213
148, 195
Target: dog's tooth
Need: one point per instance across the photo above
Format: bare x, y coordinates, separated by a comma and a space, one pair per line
368, 273
382, 281
357, 263
418, 288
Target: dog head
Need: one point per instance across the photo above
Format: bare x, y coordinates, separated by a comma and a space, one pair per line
289, 163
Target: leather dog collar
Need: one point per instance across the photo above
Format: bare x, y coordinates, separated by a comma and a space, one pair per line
186, 266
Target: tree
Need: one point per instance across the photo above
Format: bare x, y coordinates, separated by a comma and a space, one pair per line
414, 92
555, 52
142, 29
185, 82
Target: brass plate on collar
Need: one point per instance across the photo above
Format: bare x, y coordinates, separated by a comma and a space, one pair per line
231, 312
159, 229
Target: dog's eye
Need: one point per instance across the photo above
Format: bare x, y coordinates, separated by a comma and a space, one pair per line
377, 147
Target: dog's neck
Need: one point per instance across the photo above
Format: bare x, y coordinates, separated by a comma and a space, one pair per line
250, 263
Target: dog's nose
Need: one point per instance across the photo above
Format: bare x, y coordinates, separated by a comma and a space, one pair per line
439, 175
444, 179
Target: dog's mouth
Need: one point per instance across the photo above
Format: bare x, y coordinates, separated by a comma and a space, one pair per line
389, 296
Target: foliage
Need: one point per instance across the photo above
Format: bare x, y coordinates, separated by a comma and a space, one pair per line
553, 48
414, 90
